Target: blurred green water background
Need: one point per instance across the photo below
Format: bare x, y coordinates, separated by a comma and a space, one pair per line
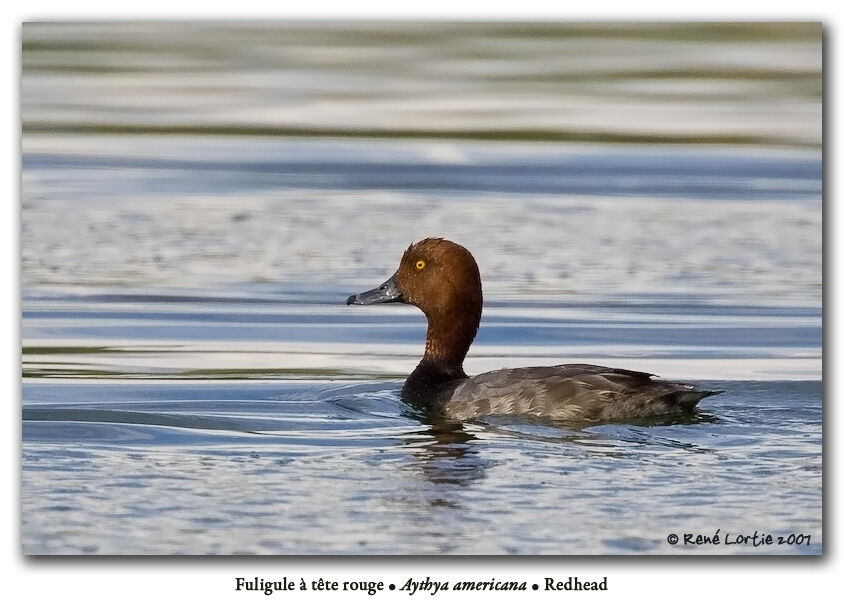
693, 83
193, 154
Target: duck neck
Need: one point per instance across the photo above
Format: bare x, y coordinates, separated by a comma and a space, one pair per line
446, 346
449, 337
451, 330
441, 365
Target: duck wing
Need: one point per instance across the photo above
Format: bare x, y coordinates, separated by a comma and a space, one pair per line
572, 392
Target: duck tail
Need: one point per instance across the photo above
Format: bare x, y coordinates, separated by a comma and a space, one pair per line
687, 400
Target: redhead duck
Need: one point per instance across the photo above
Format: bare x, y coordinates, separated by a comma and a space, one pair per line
442, 279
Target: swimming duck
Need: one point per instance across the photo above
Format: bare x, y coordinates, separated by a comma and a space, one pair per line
441, 278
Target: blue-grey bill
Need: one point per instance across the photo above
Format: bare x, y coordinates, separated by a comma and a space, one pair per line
388, 292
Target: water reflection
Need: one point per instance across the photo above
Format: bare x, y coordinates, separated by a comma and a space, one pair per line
450, 458
528, 81
454, 455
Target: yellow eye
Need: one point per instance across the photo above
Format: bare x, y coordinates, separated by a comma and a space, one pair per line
420, 264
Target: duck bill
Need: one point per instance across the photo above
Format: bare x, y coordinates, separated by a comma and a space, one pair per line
388, 292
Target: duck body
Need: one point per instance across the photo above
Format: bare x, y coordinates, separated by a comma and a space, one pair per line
442, 279
569, 393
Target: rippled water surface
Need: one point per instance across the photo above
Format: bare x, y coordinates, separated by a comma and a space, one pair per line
193, 383
267, 423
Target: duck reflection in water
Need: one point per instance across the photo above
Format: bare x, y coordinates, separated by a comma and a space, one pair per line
447, 455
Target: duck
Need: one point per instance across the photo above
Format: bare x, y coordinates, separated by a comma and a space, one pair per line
442, 279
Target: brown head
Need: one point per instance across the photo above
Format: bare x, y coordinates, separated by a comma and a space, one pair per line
442, 279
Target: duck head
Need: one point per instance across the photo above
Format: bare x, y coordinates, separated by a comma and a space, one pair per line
440, 278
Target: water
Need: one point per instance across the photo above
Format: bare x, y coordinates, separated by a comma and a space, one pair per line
315, 467
745, 83
193, 383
